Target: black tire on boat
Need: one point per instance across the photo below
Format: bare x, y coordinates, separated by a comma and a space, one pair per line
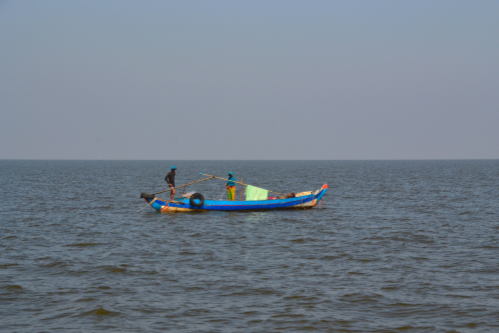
199, 197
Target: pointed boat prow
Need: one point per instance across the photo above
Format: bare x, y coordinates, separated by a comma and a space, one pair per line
145, 195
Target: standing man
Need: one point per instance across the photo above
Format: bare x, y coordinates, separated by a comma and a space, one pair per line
231, 187
170, 179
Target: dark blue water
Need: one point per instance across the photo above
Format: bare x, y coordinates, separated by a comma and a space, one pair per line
402, 246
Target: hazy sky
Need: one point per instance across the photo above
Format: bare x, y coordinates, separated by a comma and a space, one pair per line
249, 79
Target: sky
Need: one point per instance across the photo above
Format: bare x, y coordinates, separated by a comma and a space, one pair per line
244, 80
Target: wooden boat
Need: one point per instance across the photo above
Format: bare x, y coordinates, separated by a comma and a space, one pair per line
196, 202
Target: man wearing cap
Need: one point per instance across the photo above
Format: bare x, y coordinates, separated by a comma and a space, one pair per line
231, 187
170, 179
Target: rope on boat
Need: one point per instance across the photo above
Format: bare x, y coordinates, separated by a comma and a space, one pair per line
197, 181
147, 205
210, 176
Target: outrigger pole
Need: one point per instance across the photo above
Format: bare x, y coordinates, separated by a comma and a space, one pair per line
197, 181
210, 176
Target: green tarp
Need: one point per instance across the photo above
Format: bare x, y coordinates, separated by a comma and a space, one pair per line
255, 193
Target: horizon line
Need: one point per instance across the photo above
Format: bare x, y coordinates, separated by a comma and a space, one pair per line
404, 159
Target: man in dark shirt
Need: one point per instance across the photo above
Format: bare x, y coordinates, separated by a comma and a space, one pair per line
170, 179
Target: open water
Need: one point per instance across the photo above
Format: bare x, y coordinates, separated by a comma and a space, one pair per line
402, 246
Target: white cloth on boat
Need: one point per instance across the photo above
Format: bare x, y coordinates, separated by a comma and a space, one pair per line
256, 193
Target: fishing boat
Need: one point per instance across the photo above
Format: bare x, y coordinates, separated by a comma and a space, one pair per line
196, 202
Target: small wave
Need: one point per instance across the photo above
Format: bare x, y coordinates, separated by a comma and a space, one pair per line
303, 240
301, 298
374, 238
196, 312
147, 272
251, 312
488, 247
459, 296
100, 312
115, 270
145, 311
55, 264
187, 253
12, 287
329, 258
357, 298
403, 304
10, 237
291, 315
367, 260
90, 299
83, 244
390, 288
252, 292
8, 265
195, 288
263, 291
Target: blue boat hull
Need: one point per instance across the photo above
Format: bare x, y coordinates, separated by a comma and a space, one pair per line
183, 205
